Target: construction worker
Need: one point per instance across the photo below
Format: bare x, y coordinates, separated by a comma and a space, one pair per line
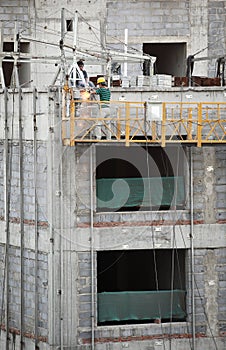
105, 95
85, 81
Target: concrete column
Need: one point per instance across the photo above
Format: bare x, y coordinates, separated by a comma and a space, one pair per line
211, 291
209, 182
199, 34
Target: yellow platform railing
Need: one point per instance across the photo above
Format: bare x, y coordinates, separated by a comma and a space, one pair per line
130, 122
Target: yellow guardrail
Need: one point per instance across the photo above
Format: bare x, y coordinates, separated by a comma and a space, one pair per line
129, 122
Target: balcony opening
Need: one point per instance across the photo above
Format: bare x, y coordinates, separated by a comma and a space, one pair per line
69, 25
170, 58
141, 286
140, 178
23, 67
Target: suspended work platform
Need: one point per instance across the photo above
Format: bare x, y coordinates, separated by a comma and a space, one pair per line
144, 122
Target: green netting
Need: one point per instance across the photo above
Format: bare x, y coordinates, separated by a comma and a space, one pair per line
150, 305
142, 192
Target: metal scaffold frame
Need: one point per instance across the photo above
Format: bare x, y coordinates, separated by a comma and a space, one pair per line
195, 123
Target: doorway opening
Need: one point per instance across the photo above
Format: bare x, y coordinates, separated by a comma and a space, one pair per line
170, 58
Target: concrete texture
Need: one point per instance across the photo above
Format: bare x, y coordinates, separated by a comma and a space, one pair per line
60, 178
63, 192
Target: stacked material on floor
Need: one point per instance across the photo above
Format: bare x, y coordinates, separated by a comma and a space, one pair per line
161, 80
164, 80
125, 82
196, 81
143, 80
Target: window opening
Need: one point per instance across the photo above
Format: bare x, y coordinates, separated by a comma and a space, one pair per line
141, 286
170, 58
24, 70
7, 66
140, 178
69, 25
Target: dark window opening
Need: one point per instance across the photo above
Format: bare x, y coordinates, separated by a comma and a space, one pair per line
170, 58
140, 286
23, 68
140, 178
69, 25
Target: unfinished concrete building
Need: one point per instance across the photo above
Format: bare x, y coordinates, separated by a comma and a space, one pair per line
119, 242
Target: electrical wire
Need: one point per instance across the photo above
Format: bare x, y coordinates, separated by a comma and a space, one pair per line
202, 303
153, 244
8, 185
208, 46
104, 33
174, 247
156, 273
206, 316
172, 285
110, 266
180, 277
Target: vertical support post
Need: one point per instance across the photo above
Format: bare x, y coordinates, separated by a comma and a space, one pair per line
127, 123
74, 70
75, 33
192, 250
75, 66
51, 262
163, 124
36, 215
189, 133
2, 79
63, 115
72, 120
62, 45
125, 51
108, 72
15, 75
199, 127
153, 130
7, 211
61, 241
21, 222
92, 253
118, 123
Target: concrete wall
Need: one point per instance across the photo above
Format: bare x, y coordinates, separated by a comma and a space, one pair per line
63, 194
209, 308
63, 190
216, 31
59, 177
199, 24
12, 11
29, 290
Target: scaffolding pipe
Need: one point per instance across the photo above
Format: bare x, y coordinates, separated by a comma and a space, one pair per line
21, 222
192, 249
36, 215
51, 229
74, 69
62, 45
61, 251
92, 251
7, 209
125, 51
2, 79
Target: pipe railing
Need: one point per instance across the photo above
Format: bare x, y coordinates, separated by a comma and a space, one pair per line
131, 122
